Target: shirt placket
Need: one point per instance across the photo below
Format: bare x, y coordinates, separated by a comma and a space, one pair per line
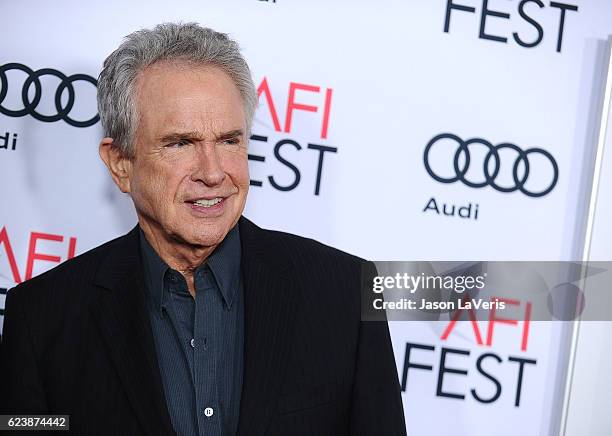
205, 370
180, 310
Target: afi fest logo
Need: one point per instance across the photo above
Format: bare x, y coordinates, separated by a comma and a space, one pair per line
11, 274
506, 376
294, 145
529, 14
8, 260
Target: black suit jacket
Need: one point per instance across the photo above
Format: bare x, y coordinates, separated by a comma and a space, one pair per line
77, 341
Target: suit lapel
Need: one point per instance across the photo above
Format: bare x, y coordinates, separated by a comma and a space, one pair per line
269, 296
121, 314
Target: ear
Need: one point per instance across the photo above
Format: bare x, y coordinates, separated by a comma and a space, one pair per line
119, 166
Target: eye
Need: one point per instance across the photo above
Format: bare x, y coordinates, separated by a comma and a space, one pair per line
232, 141
178, 144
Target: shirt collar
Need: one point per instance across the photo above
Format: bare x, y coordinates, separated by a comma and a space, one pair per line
224, 263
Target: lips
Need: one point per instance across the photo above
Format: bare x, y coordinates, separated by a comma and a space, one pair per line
203, 202
208, 206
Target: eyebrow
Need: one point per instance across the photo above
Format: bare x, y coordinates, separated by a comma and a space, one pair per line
198, 136
231, 134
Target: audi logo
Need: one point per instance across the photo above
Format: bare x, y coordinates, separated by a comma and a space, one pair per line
491, 165
30, 106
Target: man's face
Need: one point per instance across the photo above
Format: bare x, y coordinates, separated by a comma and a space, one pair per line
189, 177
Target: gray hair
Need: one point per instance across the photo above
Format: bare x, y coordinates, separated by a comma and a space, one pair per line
187, 42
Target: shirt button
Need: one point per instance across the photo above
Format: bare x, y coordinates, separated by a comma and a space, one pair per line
192, 342
208, 412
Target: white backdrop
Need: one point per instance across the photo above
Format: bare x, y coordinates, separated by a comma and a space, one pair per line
380, 80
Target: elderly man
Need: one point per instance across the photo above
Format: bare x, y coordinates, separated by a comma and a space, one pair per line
197, 322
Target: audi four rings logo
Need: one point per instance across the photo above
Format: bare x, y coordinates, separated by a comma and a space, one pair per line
30, 105
491, 159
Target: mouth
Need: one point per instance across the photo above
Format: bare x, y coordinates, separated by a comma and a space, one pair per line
206, 203
207, 207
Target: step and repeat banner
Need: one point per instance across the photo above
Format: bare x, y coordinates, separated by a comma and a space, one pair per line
394, 130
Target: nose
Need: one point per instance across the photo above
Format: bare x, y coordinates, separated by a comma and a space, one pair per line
208, 167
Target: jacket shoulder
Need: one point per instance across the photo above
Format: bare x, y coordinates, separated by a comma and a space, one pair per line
302, 246
292, 246
310, 260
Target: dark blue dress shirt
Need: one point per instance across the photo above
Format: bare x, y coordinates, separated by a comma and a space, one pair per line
199, 341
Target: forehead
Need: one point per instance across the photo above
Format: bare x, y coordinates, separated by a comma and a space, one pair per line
179, 95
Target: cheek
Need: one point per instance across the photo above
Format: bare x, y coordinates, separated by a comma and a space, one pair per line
237, 167
151, 187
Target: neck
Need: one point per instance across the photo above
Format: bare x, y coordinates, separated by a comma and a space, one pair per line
181, 257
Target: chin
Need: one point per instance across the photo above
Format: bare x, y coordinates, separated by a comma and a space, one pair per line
208, 236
